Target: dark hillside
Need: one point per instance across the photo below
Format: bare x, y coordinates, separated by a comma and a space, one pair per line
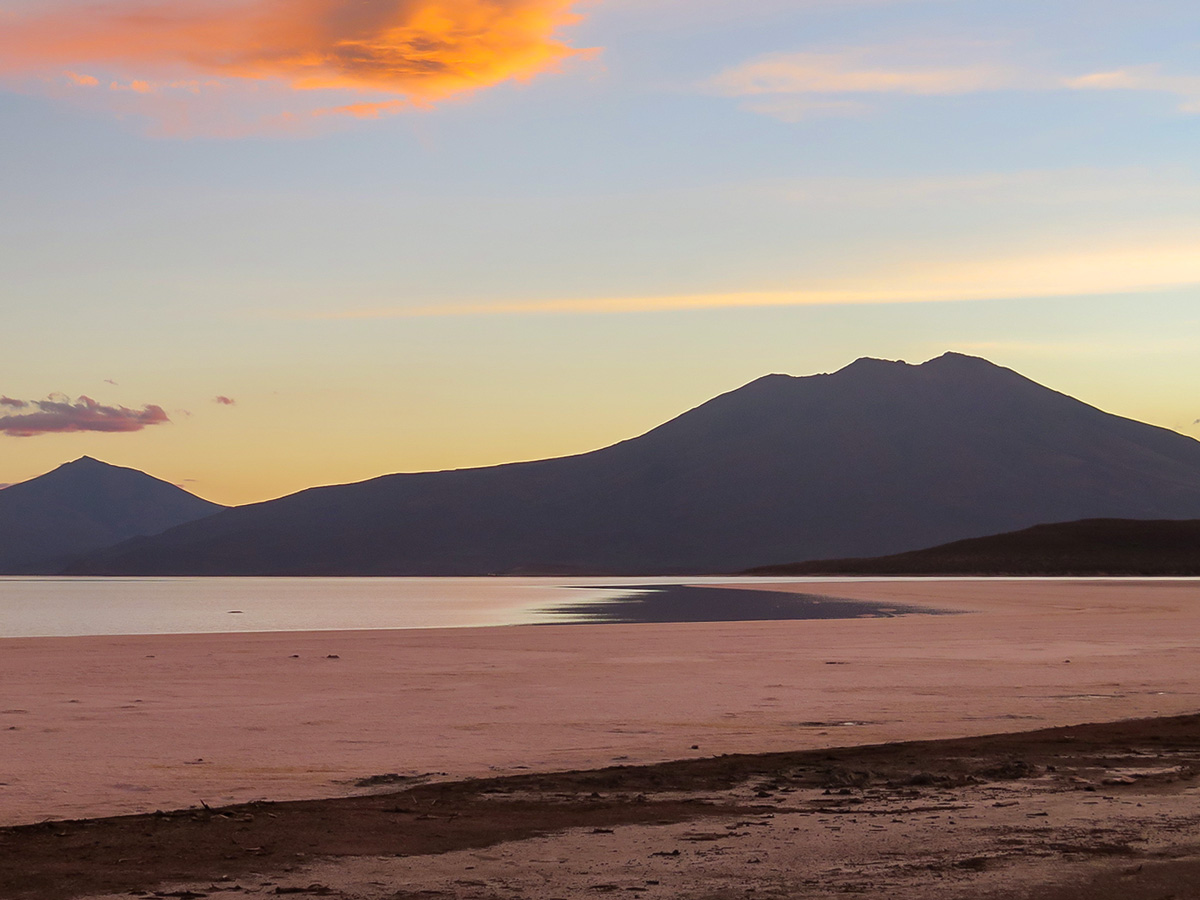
877, 458
1091, 547
83, 506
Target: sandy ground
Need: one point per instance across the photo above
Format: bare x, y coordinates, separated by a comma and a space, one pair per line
1104, 812
101, 726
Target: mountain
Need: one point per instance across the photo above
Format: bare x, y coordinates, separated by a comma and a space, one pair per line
877, 458
83, 506
1089, 547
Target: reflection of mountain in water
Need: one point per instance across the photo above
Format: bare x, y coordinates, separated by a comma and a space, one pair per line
687, 603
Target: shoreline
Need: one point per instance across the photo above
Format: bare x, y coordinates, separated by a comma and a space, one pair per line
557, 612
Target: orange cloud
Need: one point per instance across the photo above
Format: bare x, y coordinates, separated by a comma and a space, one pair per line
363, 110
82, 80
138, 87
419, 50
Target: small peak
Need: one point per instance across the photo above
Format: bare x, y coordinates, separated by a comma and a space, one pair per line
871, 364
952, 357
83, 464
85, 461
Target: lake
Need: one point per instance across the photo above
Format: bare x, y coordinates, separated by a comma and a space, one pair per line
48, 606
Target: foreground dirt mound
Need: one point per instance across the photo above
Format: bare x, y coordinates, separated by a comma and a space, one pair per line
1091, 811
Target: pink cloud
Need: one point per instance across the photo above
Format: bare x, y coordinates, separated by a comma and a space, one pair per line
224, 401
60, 416
15, 404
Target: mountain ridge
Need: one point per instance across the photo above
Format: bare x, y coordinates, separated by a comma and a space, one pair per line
83, 506
878, 457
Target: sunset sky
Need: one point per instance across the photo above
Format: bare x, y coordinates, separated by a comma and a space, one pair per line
251, 246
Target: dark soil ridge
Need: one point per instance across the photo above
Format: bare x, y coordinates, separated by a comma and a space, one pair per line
1086, 548
63, 859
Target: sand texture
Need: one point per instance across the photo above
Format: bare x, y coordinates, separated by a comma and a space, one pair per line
1096, 812
103, 726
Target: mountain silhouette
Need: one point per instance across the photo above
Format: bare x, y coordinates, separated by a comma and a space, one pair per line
1096, 547
83, 506
877, 458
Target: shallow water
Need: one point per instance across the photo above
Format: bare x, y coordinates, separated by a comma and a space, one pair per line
48, 606
108, 606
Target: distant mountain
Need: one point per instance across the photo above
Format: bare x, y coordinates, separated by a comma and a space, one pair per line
877, 458
1089, 547
83, 506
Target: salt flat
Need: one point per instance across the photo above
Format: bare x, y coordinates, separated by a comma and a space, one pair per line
95, 726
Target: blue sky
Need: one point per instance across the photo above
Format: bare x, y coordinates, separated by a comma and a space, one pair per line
541, 265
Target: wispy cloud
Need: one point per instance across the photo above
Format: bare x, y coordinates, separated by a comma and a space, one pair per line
1099, 272
1144, 78
13, 403
851, 72
57, 415
81, 80
400, 53
222, 400
796, 86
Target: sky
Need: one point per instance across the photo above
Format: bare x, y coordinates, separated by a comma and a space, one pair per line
252, 246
